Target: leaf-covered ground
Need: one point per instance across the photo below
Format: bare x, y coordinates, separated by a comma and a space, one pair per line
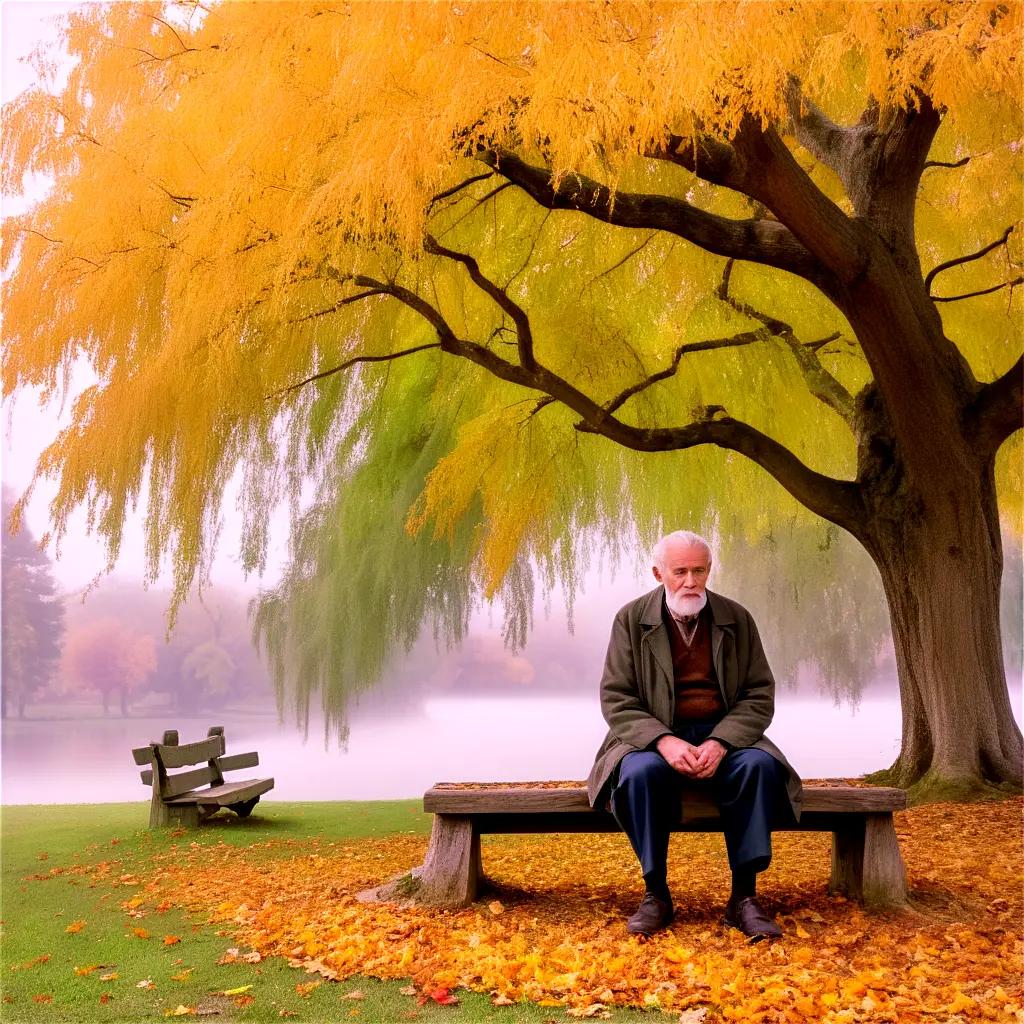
553, 928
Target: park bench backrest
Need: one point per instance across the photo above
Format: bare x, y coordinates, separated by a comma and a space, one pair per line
170, 754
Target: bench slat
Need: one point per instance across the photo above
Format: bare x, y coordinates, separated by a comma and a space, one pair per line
229, 793
232, 762
442, 799
184, 754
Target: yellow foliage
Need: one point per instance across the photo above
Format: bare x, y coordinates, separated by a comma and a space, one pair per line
220, 171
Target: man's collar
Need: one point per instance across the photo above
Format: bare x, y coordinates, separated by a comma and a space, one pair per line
650, 614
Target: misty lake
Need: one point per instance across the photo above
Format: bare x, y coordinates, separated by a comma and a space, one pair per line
88, 759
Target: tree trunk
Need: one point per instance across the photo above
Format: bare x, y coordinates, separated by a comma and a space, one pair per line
940, 558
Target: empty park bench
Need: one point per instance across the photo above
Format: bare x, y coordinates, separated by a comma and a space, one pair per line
178, 799
866, 862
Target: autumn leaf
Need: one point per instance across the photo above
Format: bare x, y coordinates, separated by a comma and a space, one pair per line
85, 971
145, 983
112, 976
182, 975
74, 927
252, 957
140, 933
242, 1001
234, 991
495, 907
304, 989
42, 999
172, 940
180, 1011
105, 997
354, 994
594, 1010
287, 1013
497, 999
438, 995
407, 990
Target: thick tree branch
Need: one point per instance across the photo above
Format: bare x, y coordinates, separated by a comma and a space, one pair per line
981, 291
984, 251
352, 362
757, 240
879, 160
962, 162
515, 312
838, 501
998, 409
733, 341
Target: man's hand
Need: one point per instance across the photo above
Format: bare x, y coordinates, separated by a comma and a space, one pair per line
695, 762
709, 757
679, 754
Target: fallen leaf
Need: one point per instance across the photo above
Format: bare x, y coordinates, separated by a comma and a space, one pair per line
304, 988
497, 999
42, 999
180, 1011
242, 1001
234, 991
695, 1015
253, 957
75, 926
145, 984
495, 907
172, 940
407, 990
105, 997
287, 1013
140, 933
85, 971
598, 1010
182, 975
354, 994
112, 976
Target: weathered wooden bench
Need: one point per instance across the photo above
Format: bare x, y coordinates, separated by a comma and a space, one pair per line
177, 798
866, 861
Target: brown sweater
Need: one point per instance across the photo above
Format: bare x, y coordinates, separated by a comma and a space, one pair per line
697, 693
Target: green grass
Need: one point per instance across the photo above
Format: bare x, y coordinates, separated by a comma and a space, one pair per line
35, 914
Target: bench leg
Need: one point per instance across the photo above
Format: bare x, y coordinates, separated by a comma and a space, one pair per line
161, 814
450, 875
866, 862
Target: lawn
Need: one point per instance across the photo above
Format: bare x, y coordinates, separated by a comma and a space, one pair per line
82, 863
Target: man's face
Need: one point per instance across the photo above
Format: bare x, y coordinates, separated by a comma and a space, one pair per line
685, 575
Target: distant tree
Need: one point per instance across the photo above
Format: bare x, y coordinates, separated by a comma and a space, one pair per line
32, 615
110, 657
213, 667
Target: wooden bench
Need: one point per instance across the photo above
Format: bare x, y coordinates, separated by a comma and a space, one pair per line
177, 798
866, 861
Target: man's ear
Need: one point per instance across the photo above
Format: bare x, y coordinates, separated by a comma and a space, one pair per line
657, 573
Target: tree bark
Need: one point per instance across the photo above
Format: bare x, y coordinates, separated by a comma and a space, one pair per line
939, 553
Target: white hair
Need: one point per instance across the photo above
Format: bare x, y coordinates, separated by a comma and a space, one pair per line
679, 537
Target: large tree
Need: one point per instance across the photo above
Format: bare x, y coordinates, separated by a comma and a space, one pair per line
511, 234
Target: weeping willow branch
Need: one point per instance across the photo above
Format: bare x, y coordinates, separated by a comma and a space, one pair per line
835, 500
388, 357
960, 260
821, 384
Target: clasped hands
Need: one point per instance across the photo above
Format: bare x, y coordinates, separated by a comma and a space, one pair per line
695, 762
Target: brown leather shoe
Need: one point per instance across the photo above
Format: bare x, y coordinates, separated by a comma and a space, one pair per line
652, 915
750, 918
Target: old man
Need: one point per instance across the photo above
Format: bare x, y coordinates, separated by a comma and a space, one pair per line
687, 694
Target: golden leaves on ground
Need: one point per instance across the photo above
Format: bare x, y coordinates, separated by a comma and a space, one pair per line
75, 926
952, 955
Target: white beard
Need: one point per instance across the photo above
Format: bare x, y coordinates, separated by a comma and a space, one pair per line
682, 606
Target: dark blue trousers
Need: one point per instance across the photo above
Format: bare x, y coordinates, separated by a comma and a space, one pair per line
749, 789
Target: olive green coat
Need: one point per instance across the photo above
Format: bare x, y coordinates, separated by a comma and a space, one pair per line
637, 689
